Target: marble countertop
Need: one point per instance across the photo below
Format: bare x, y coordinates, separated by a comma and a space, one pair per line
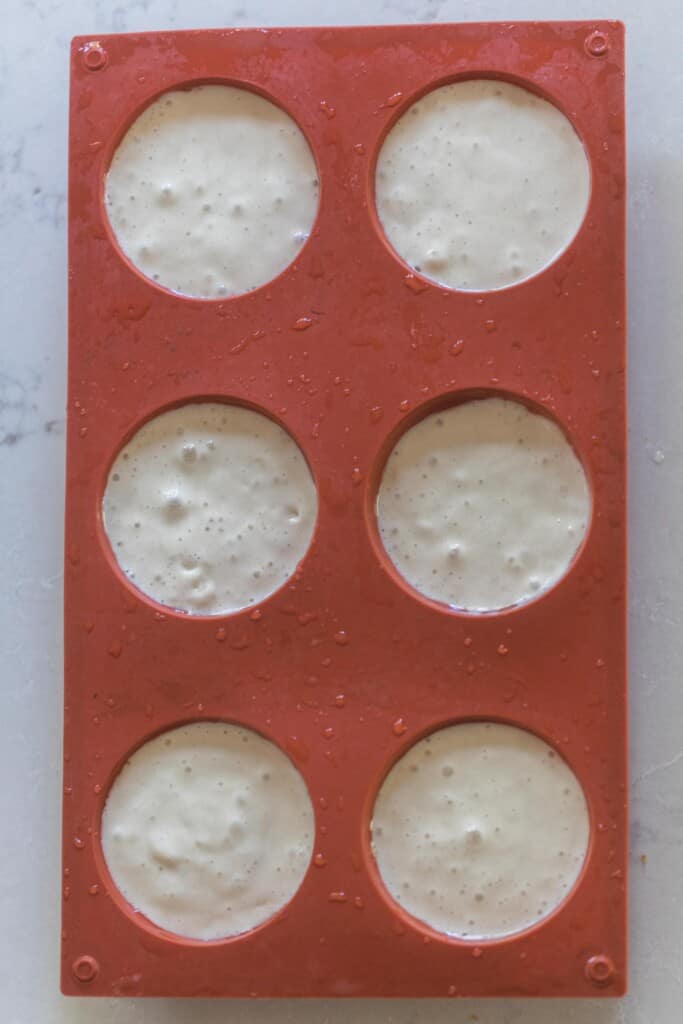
33, 139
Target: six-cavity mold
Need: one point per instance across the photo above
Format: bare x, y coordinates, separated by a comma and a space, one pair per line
345, 514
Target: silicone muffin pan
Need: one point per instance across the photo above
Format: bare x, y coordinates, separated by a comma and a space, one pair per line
345, 667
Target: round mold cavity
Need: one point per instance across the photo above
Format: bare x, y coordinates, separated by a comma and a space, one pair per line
212, 191
208, 508
479, 503
479, 832
481, 184
207, 832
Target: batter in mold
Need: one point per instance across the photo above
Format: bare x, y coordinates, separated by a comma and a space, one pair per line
212, 191
481, 184
209, 508
483, 505
208, 830
480, 830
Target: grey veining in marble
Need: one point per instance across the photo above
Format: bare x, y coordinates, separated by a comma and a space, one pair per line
33, 124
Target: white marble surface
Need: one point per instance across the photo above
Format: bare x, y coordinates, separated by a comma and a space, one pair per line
33, 97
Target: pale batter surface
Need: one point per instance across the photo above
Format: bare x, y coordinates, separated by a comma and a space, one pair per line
483, 505
481, 184
208, 830
212, 191
209, 508
480, 830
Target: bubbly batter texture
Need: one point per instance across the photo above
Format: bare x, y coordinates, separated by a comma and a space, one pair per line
483, 506
481, 184
208, 830
209, 508
212, 191
480, 830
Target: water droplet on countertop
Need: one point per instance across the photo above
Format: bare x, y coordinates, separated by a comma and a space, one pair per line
399, 727
341, 638
658, 457
320, 860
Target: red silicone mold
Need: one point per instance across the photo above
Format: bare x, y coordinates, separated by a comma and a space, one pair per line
345, 667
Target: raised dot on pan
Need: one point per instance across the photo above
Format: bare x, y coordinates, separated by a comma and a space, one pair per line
198, 813
189, 468
499, 837
540, 510
482, 188
215, 157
